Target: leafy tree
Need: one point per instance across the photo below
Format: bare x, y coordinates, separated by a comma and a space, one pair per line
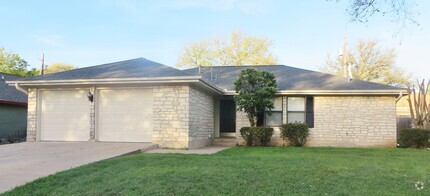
369, 63
12, 63
239, 50
256, 91
58, 67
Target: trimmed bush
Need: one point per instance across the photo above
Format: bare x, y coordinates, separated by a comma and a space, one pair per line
296, 133
257, 136
414, 138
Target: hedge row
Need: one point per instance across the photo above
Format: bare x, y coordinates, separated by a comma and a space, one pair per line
414, 138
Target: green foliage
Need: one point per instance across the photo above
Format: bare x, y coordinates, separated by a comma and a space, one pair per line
239, 50
256, 136
370, 63
296, 133
256, 91
59, 67
11, 63
415, 138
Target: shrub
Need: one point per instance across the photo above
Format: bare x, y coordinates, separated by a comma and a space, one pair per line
256, 136
415, 138
296, 133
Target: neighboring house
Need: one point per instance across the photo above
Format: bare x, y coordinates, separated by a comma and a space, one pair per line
143, 101
13, 108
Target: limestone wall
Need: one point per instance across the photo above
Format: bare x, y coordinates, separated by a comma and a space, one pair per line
32, 115
171, 118
347, 121
202, 118
350, 121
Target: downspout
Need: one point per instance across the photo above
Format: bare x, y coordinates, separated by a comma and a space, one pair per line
20, 89
399, 97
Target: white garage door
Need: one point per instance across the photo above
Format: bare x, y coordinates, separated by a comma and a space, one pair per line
65, 116
124, 115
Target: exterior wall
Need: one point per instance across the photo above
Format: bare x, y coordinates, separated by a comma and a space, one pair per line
171, 116
354, 121
93, 116
32, 115
344, 121
13, 120
202, 119
241, 121
183, 117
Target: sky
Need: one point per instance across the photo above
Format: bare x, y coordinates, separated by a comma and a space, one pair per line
86, 33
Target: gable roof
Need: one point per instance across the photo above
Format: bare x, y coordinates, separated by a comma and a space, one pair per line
289, 79
134, 68
9, 94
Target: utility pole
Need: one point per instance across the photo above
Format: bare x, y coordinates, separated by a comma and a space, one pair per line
42, 70
345, 57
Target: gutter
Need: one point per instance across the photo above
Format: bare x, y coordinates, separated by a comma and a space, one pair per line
333, 92
400, 96
20, 89
107, 81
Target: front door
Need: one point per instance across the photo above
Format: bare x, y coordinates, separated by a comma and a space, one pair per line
227, 117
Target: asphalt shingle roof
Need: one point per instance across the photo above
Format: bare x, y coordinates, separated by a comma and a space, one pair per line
287, 78
223, 77
134, 68
9, 93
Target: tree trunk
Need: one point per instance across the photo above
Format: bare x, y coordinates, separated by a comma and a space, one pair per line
252, 120
420, 111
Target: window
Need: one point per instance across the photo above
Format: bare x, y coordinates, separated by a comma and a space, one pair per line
273, 117
301, 109
296, 109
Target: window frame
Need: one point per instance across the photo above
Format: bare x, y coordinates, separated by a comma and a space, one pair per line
281, 111
295, 111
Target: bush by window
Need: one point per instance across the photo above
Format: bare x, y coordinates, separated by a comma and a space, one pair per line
256, 136
296, 133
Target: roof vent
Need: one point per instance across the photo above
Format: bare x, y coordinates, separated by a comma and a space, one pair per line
2, 78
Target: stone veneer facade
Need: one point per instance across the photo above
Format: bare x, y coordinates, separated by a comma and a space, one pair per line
202, 119
183, 117
32, 115
347, 121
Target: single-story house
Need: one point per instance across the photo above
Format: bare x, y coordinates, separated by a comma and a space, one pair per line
140, 100
13, 108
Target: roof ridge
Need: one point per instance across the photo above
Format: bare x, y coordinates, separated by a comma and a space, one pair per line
91, 66
11, 74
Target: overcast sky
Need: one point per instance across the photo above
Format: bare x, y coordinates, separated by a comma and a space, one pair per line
87, 33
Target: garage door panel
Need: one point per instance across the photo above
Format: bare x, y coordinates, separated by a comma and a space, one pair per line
125, 115
65, 115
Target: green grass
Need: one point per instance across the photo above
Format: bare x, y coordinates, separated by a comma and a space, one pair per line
247, 171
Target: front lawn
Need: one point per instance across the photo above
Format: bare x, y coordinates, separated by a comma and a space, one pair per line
247, 171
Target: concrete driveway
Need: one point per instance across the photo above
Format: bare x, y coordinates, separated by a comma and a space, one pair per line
24, 162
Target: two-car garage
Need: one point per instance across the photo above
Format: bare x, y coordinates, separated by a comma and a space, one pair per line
121, 115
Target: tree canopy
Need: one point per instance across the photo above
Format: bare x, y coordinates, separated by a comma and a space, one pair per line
238, 50
256, 91
370, 63
58, 67
400, 11
12, 63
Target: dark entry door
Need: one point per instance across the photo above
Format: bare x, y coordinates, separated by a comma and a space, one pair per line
227, 116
